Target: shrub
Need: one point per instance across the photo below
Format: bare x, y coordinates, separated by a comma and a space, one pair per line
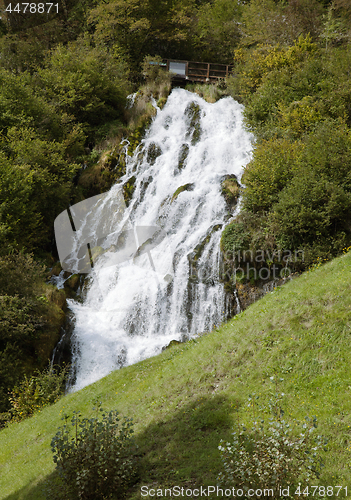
235, 238
94, 457
270, 453
270, 170
42, 389
85, 81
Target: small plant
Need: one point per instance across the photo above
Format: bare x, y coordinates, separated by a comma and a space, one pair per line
271, 453
94, 457
42, 389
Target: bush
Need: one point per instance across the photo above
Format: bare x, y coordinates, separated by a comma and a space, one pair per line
94, 457
42, 389
270, 453
85, 81
235, 238
270, 170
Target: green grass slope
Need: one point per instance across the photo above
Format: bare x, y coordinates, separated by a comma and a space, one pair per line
186, 399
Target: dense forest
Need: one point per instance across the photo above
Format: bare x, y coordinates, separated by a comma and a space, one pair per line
64, 80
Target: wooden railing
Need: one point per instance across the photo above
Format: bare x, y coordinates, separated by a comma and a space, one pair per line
197, 71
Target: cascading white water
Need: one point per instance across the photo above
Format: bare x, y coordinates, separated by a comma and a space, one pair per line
132, 309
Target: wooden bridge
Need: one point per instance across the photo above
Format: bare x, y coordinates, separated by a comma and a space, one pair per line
193, 71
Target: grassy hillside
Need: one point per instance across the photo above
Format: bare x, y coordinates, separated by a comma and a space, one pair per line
187, 398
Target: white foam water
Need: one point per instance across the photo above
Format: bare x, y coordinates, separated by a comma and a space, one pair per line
132, 309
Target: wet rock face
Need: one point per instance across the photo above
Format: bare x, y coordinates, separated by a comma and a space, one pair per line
58, 297
172, 343
193, 112
128, 189
185, 187
231, 191
153, 152
183, 155
73, 282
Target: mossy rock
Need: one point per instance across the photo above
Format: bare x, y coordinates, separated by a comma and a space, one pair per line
50, 334
231, 190
54, 319
139, 132
57, 297
144, 185
196, 254
193, 112
186, 187
111, 162
183, 155
161, 102
153, 152
55, 270
128, 189
172, 343
98, 179
73, 282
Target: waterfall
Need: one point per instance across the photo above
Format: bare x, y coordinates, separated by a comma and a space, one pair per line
134, 307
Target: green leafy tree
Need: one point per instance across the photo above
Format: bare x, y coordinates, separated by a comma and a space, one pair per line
218, 30
270, 22
21, 106
270, 170
85, 82
333, 29
35, 181
21, 318
141, 27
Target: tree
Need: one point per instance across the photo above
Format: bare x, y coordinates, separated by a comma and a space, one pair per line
269, 22
20, 319
35, 186
218, 30
333, 29
85, 82
141, 27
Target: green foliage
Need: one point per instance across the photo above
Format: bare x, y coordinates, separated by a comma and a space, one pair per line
313, 210
273, 452
157, 83
333, 29
35, 392
255, 66
211, 92
153, 70
35, 186
23, 315
20, 323
85, 81
235, 238
304, 188
270, 22
133, 28
218, 30
94, 457
21, 53
20, 105
297, 99
270, 170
